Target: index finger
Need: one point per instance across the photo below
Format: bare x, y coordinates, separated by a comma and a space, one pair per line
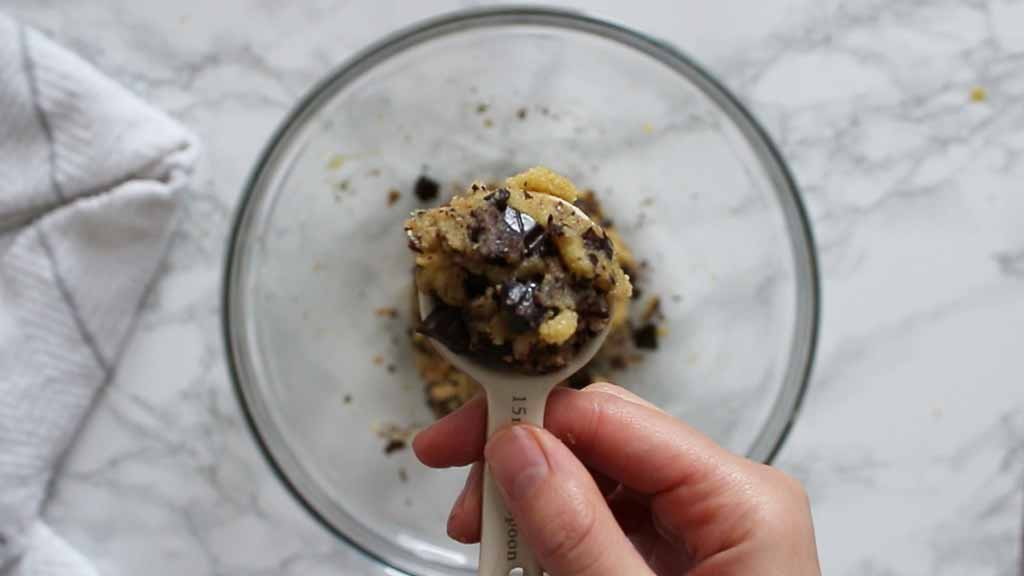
632, 441
610, 429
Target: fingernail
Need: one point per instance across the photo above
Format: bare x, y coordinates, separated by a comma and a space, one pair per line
517, 462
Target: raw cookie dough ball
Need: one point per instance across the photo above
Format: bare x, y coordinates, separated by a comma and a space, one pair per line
518, 276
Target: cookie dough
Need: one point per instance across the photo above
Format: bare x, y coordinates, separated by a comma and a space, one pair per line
518, 277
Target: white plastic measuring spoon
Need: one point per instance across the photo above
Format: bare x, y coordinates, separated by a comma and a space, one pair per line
511, 397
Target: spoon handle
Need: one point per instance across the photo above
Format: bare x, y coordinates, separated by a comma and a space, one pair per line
502, 547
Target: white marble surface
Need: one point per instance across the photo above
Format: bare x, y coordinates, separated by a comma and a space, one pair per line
911, 440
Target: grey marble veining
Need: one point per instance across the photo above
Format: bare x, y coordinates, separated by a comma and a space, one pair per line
904, 124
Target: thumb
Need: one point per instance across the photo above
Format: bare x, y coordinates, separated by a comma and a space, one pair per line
558, 507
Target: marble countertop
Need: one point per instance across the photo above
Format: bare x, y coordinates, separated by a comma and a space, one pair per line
904, 124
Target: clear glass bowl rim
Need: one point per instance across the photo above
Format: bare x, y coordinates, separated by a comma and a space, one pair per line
804, 343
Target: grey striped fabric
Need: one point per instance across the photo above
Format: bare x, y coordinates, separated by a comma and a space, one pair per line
90, 181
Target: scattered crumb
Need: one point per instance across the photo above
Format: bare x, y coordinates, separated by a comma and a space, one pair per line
393, 196
445, 387
544, 110
378, 360
581, 379
646, 337
481, 108
488, 122
403, 475
677, 297
649, 201
347, 399
317, 266
979, 94
374, 172
335, 162
387, 312
392, 368
426, 189
652, 310
396, 437
648, 128
521, 113
408, 502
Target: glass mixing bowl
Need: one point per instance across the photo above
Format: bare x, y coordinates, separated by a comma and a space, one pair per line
318, 255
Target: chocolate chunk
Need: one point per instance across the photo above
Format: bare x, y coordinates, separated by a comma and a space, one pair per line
394, 445
598, 242
499, 199
426, 189
495, 239
646, 337
518, 221
580, 379
519, 299
446, 325
537, 242
500, 233
475, 285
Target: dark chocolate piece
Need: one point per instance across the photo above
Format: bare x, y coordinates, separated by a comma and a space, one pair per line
580, 379
519, 299
394, 445
499, 198
426, 189
476, 285
446, 325
646, 337
537, 242
495, 239
518, 221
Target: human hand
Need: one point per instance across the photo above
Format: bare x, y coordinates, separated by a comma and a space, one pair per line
630, 491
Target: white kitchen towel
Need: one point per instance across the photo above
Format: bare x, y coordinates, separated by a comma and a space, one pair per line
90, 181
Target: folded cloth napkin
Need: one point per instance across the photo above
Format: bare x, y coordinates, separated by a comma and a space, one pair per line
90, 180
